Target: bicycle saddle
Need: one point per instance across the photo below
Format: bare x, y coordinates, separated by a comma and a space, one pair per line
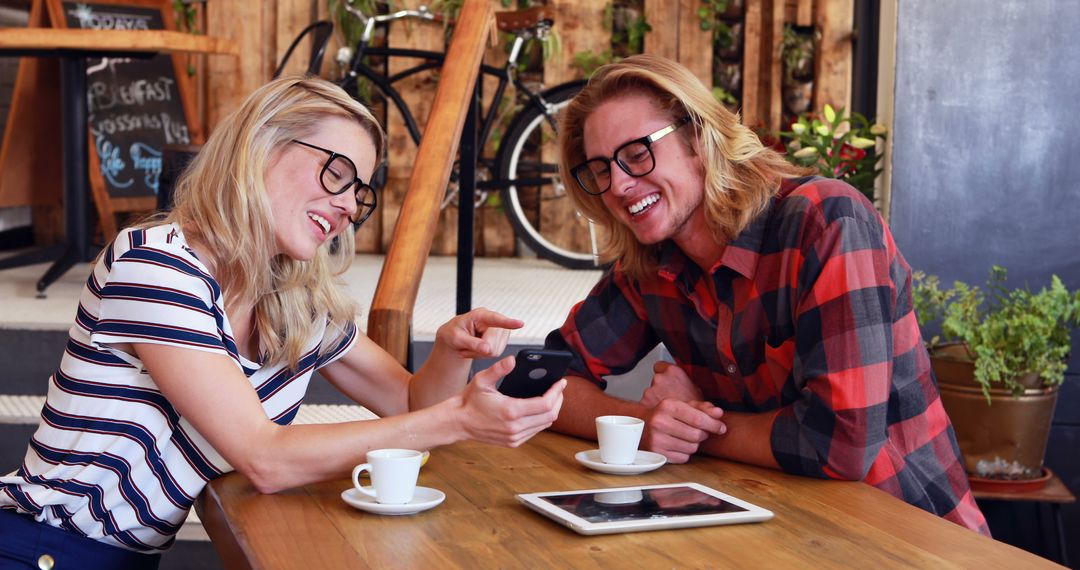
518, 20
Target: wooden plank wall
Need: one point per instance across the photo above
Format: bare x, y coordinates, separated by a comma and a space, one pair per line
270, 25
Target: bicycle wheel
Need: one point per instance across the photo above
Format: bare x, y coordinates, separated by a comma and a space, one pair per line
536, 202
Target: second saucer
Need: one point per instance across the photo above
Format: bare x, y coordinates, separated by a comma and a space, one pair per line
643, 461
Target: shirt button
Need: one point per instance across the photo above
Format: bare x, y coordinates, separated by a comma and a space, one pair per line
45, 562
731, 369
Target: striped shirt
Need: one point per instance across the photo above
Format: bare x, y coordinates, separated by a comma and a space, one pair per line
812, 316
112, 459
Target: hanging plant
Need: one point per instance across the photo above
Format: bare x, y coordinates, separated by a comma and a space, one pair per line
187, 19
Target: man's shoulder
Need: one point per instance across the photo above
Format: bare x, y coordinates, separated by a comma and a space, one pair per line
823, 200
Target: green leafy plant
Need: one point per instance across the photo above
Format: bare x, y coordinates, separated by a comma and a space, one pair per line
1008, 333
588, 62
708, 19
724, 96
186, 21
186, 16
797, 52
627, 33
838, 146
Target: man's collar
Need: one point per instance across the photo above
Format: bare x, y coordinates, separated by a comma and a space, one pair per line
741, 255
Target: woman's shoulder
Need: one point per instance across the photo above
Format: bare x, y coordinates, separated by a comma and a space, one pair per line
159, 249
164, 238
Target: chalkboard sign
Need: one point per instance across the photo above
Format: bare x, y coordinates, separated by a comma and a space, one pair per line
135, 105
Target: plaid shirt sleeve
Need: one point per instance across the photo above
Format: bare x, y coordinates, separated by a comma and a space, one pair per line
608, 332
844, 315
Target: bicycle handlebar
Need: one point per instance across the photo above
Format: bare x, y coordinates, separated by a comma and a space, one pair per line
421, 12
528, 28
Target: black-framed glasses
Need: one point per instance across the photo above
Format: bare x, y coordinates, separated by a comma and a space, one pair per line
338, 175
634, 158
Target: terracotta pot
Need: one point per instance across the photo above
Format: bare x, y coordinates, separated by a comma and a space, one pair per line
1010, 432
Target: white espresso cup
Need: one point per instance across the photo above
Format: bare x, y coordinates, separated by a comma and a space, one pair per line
619, 437
393, 475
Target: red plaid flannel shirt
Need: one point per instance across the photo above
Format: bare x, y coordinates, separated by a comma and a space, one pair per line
812, 317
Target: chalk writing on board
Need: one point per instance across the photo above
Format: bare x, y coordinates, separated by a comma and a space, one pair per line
134, 103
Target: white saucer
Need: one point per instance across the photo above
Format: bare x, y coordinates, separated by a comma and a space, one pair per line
424, 498
644, 461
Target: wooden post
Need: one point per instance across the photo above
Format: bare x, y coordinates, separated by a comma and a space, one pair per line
292, 17
695, 44
390, 317
832, 77
752, 58
804, 12
773, 38
762, 67
663, 40
231, 79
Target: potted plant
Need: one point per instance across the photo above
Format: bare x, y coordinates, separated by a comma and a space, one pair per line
999, 361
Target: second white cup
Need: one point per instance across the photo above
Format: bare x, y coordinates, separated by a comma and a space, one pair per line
393, 475
618, 437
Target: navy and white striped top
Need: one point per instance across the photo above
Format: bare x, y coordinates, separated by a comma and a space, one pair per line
112, 459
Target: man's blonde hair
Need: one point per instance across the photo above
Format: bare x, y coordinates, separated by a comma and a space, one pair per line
740, 173
221, 202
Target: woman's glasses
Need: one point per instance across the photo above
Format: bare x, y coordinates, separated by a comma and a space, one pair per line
634, 158
338, 175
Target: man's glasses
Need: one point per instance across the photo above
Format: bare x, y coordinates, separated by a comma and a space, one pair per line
338, 175
634, 158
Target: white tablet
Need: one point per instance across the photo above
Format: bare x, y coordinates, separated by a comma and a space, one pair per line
644, 507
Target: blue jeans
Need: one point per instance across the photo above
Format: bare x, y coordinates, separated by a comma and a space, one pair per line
24, 542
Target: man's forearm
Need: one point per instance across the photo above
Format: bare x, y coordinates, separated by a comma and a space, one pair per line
747, 440
584, 401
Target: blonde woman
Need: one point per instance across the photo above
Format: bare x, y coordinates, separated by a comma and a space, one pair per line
197, 334
782, 299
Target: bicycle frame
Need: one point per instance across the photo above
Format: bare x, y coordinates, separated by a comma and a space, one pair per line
434, 60
516, 169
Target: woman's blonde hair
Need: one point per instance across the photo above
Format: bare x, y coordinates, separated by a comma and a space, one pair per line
221, 202
740, 173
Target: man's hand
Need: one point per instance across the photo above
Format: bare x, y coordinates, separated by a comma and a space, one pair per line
675, 429
670, 381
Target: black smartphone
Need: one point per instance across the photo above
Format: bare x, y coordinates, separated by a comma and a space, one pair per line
534, 372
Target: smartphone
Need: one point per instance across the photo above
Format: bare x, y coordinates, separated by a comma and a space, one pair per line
534, 372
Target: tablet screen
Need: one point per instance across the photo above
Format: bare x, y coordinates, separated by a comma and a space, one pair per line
641, 504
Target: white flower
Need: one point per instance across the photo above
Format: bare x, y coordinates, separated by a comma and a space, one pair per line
878, 129
798, 128
830, 114
860, 142
808, 152
344, 55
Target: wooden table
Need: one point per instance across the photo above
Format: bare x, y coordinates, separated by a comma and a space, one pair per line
818, 524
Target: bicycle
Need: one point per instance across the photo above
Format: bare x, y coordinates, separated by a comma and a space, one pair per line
522, 168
